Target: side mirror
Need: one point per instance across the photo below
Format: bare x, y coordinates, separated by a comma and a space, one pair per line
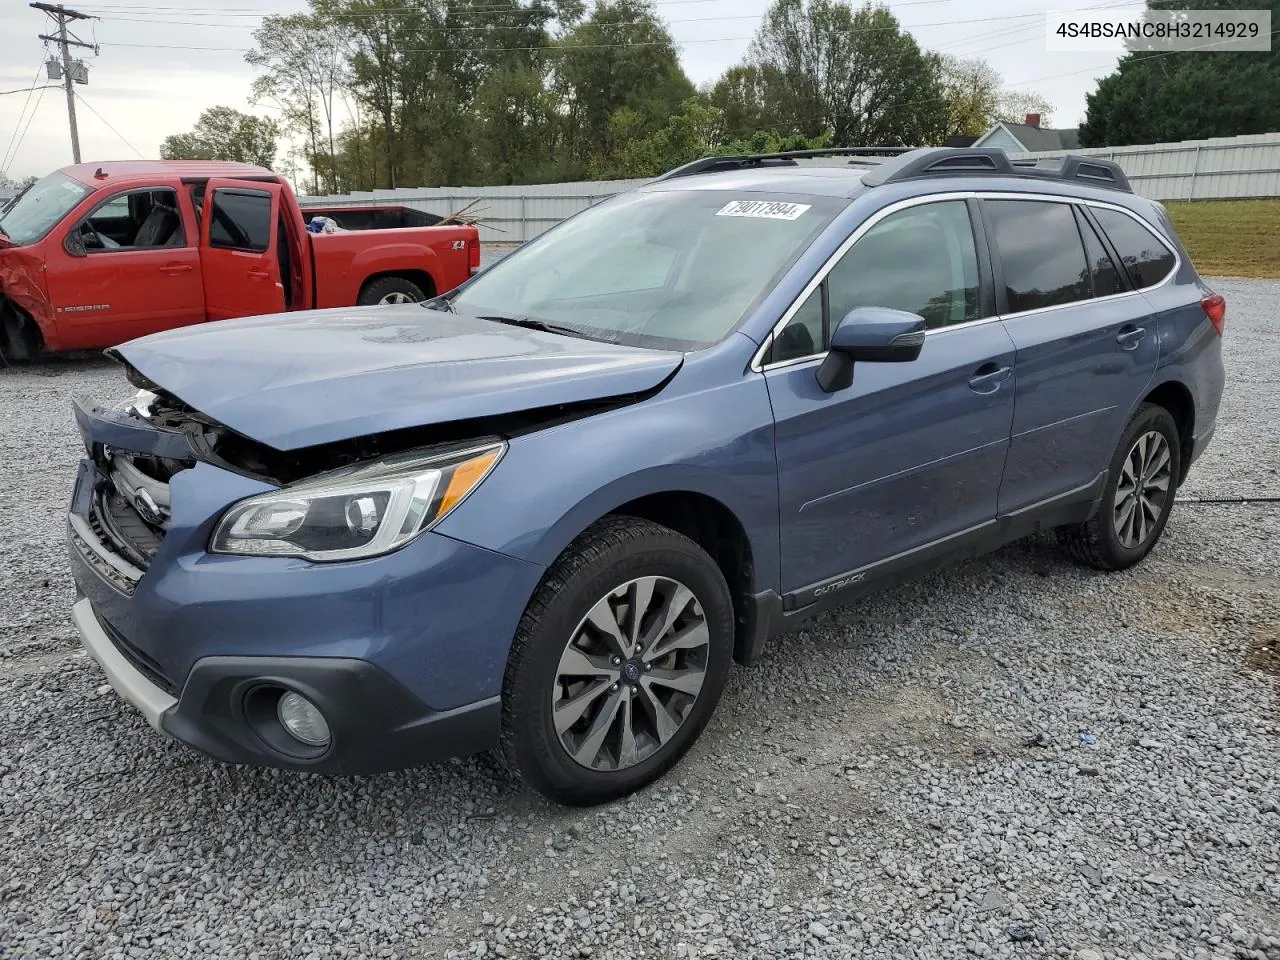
74, 244
871, 335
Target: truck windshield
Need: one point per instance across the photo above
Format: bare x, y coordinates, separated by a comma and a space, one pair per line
38, 210
670, 270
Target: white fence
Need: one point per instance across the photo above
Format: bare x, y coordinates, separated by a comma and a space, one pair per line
1221, 168
1218, 169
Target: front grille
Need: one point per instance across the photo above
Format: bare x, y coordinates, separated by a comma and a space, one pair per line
144, 663
130, 511
125, 529
123, 582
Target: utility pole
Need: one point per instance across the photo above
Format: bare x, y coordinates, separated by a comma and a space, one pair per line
63, 16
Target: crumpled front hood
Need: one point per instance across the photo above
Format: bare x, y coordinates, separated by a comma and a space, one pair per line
300, 379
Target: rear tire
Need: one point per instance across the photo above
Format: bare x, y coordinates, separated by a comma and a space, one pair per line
595, 702
1138, 496
390, 290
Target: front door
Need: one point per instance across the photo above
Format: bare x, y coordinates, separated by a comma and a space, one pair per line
911, 453
128, 268
239, 248
1086, 348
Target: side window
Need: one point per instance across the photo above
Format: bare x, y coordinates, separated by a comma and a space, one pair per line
1147, 260
803, 336
1106, 278
241, 220
921, 260
1040, 253
139, 220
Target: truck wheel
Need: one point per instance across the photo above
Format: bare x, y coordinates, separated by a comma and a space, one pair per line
617, 664
20, 338
1138, 497
390, 290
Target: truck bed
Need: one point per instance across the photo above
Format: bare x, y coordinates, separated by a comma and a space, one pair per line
373, 217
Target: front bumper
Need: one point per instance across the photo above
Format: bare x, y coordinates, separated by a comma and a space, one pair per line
376, 724
151, 701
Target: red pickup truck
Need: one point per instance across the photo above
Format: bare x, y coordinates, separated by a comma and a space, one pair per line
97, 254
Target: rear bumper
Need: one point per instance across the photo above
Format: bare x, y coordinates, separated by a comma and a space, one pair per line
377, 725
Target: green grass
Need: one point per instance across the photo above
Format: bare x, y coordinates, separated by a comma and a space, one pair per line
1230, 238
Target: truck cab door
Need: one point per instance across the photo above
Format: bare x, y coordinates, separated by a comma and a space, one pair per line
240, 249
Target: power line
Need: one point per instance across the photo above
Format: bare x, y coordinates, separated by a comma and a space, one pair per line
110, 127
258, 14
603, 46
18, 146
4, 162
27, 90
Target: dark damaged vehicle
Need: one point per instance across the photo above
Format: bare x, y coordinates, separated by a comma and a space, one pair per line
545, 512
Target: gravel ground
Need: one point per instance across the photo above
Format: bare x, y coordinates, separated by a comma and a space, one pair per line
868, 790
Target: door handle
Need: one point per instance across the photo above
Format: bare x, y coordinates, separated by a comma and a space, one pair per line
176, 268
258, 274
988, 377
1130, 336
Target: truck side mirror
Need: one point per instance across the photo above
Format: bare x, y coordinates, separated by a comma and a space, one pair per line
871, 335
74, 244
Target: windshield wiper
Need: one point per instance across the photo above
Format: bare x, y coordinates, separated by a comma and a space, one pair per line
529, 323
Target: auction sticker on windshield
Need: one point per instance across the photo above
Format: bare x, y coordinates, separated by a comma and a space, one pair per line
763, 209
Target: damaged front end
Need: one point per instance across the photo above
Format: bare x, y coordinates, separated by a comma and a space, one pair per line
26, 314
123, 507
215, 443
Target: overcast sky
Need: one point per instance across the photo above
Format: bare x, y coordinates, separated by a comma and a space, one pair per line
152, 78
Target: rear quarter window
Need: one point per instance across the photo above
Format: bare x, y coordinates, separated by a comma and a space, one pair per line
1146, 259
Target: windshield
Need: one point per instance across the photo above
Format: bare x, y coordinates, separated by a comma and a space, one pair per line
672, 270
35, 213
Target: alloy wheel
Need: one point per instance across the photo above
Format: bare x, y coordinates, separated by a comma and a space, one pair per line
397, 297
1146, 481
630, 674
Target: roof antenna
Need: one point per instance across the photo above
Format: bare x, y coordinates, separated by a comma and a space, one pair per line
99, 174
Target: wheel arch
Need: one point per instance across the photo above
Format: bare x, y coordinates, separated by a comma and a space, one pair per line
20, 335
716, 529
1175, 397
421, 278
677, 498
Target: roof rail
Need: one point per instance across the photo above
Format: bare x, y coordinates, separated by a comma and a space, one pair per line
785, 159
988, 161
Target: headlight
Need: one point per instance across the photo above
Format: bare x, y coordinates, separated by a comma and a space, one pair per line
139, 403
356, 512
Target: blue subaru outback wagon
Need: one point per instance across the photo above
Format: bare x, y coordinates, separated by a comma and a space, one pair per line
545, 512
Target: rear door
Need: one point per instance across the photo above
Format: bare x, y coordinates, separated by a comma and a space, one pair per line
1086, 346
240, 249
128, 267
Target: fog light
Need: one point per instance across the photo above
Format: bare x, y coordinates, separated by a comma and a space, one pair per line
303, 720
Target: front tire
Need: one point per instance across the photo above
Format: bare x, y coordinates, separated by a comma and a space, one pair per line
618, 662
1138, 497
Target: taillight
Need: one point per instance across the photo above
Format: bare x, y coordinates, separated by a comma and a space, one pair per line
473, 249
1215, 308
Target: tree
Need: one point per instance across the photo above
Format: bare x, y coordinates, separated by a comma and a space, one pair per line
303, 56
620, 58
855, 72
977, 99
743, 95
971, 89
222, 133
1160, 97
1014, 105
